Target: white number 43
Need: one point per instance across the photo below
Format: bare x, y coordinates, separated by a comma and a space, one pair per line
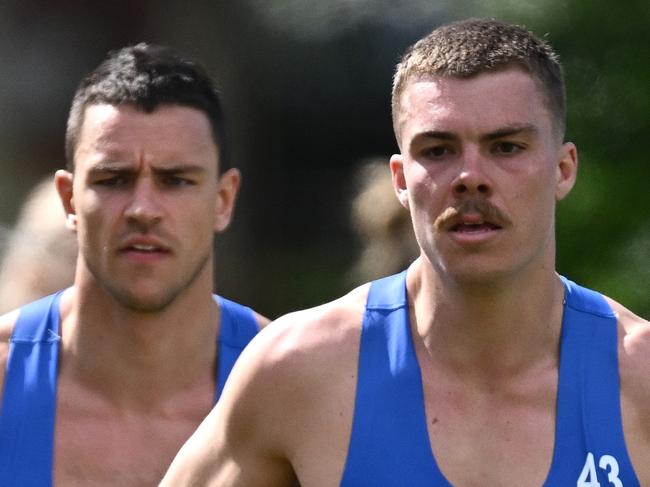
588, 477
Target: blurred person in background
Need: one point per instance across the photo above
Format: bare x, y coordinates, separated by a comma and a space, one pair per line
105, 380
41, 252
478, 364
382, 225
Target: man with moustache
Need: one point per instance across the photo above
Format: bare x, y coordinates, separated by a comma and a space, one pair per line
479, 364
104, 381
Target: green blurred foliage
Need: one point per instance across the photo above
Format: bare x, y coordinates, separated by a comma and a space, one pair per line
308, 86
604, 225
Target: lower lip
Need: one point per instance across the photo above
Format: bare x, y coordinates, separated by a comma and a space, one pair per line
475, 237
139, 257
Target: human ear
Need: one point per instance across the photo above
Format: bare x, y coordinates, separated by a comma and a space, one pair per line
227, 189
63, 181
567, 170
399, 181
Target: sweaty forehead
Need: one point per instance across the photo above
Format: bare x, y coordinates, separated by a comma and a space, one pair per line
119, 120
169, 129
481, 103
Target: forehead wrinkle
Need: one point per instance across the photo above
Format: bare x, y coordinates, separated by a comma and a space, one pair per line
174, 138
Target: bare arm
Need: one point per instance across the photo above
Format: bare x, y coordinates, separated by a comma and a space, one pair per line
211, 458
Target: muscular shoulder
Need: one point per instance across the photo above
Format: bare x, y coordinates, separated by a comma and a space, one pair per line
634, 365
332, 328
294, 364
634, 348
296, 340
634, 333
7, 322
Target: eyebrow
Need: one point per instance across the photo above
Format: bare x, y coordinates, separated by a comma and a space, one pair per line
506, 131
128, 168
435, 134
516, 129
180, 168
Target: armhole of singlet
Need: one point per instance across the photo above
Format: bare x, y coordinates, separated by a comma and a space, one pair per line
238, 326
388, 415
591, 357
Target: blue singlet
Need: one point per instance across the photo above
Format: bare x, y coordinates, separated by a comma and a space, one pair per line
29, 400
390, 447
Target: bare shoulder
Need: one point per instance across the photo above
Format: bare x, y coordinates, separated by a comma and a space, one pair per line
634, 347
634, 369
295, 342
284, 400
298, 354
327, 323
7, 323
305, 356
635, 337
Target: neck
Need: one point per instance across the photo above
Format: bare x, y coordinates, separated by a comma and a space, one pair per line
138, 358
496, 328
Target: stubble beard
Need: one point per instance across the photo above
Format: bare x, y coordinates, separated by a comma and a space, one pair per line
132, 302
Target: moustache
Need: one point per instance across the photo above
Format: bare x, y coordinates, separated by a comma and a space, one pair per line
489, 212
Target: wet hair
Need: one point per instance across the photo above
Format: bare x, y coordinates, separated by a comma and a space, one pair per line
147, 76
470, 47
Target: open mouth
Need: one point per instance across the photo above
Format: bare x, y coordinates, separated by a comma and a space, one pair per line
144, 249
475, 227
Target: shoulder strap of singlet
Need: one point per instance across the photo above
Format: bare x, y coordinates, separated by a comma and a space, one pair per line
389, 443
29, 397
388, 293
238, 327
589, 441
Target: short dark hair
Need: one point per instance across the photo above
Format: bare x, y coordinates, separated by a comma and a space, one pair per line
470, 47
147, 76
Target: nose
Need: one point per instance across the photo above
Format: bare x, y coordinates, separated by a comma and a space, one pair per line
472, 178
143, 208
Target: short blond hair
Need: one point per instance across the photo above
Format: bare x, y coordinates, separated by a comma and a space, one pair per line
470, 47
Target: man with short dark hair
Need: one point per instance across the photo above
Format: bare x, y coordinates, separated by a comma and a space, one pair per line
104, 381
478, 365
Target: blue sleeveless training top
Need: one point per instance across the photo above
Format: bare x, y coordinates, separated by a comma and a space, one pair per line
389, 444
29, 400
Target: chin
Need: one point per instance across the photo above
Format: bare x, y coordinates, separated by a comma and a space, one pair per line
144, 302
473, 273
146, 306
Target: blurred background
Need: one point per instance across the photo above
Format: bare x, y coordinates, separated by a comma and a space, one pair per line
307, 89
